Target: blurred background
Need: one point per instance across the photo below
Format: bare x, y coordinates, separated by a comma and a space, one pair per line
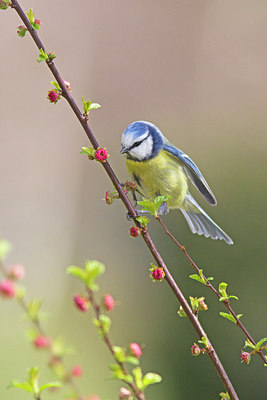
198, 71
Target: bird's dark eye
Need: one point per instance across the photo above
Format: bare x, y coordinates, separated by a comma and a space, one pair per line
135, 145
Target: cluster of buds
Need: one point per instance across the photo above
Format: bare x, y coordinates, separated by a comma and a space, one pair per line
245, 357
196, 350
4, 4
21, 31
135, 231
157, 274
81, 303
8, 288
198, 304
111, 196
130, 186
101, 154
55, 94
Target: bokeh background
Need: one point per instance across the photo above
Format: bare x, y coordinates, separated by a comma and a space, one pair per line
197, 69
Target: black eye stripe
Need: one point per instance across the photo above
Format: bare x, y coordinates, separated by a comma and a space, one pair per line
137, 143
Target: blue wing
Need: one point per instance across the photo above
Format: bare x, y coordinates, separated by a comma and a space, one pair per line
192, 172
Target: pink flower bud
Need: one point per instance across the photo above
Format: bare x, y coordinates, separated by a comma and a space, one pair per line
135, 349
202, 305
135, 231
76, 371
158, 274
16, 272
42, 341
7, 289
67, 85
245, 357
109, 198
124, 393
101, 154
195, 350
53, 96
109, 302
81, 302
38, 22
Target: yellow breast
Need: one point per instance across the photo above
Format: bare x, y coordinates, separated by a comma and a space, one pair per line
161, 176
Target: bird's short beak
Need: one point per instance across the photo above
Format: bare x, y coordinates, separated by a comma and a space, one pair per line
123, 150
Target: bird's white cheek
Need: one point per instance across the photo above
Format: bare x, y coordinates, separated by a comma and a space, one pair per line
144, 150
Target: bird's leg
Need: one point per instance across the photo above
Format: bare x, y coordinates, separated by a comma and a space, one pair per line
163, 208
134, 198
138, 214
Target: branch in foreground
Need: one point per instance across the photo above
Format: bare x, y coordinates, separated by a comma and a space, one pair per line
145, 234
41, 340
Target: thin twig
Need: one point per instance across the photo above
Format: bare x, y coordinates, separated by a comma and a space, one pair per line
40, 330
210, 286
107, 339
169, 279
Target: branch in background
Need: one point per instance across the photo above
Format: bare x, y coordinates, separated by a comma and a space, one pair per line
135, 379
206, 282
83, 119
39, 338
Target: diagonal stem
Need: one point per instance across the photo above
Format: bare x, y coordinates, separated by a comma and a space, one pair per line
139, 395
145, 234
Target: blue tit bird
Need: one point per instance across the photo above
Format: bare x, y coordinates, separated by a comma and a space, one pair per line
160, 169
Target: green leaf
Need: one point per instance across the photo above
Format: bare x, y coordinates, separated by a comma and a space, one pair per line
143, 220
78, 272
150, 378
50, 385
93, 270
224, 396
5, 248
131, 360
204, 340
233, 297
21, 385
117, 373
230, 316
222, 288
89, 151
35, 26
200, 277
58, 88
119, 353
197, 278
159, 200
88, 105
30, 15
94, 106
258, 344
138, 377
106, 323
33, 309
148, 205
42, 56
248, 343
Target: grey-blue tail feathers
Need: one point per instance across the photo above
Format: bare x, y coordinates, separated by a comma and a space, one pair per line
200, 223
